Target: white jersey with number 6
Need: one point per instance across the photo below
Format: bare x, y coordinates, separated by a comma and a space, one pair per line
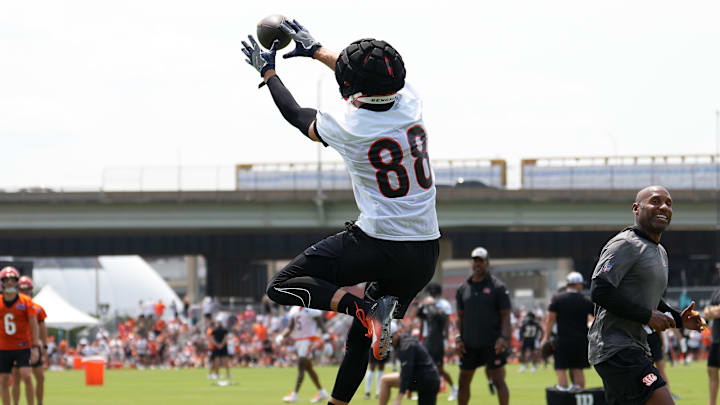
387, 157
305, 322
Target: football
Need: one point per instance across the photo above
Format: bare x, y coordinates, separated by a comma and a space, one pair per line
268, 30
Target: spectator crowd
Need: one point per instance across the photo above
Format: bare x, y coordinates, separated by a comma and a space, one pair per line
150, 340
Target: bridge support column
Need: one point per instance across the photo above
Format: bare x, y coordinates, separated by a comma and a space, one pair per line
192, 280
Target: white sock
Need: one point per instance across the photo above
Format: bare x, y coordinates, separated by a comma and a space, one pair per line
377, 384
368, 381
323, 392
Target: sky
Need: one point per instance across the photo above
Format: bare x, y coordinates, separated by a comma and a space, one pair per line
90, 86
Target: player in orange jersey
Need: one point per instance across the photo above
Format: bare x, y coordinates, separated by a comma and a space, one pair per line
25, 286
19, 335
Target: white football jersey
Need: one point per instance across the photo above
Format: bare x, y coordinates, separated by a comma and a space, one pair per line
305, 322
387, 157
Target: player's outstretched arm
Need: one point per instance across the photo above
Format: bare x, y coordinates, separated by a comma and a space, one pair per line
264, 62
327, 57
306, 45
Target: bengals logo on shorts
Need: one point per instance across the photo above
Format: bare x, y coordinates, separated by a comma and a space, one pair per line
649, 379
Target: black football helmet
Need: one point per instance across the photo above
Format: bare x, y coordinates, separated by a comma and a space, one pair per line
369, 67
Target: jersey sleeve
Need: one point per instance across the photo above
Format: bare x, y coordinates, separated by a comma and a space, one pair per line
459, 298
41, 314
31, 308
553, 305
502, 295
616, 259
331, 131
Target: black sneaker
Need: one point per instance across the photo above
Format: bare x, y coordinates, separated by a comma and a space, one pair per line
491, 387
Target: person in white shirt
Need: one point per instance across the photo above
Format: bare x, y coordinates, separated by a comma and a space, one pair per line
304, 328
393, 245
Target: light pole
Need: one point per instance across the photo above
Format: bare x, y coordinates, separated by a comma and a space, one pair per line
320, 196
717, 189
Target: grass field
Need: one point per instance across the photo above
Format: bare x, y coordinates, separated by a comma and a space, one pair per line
267, 386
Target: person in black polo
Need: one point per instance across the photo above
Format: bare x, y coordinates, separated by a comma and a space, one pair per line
627, 287
483, 322
570, 310
219, 355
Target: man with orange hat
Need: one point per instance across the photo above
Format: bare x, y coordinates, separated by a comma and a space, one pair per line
25, 286
19, 335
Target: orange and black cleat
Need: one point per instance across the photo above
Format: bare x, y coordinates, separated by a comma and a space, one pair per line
377, 321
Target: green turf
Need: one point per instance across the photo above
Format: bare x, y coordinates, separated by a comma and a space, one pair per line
267, 386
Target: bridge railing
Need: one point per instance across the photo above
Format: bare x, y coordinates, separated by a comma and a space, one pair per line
334, 176
169, 178
621, 172
690, 172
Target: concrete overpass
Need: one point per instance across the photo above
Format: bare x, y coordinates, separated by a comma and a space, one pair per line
232, 229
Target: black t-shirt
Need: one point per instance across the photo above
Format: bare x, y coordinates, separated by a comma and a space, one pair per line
218, 334
572, 309
416, 366
437, 321
530, 329
715, 324
481, 303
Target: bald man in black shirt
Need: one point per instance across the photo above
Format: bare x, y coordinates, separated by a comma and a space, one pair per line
627, 286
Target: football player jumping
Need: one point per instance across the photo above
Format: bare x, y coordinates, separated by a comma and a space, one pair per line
393, 245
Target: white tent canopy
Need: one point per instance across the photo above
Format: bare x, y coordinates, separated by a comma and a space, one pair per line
60, 314
120, 281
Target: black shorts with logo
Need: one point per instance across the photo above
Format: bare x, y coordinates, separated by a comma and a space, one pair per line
629, 377
14, 358
714, 355
571, 354
218, 353
475, 357
397, 268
